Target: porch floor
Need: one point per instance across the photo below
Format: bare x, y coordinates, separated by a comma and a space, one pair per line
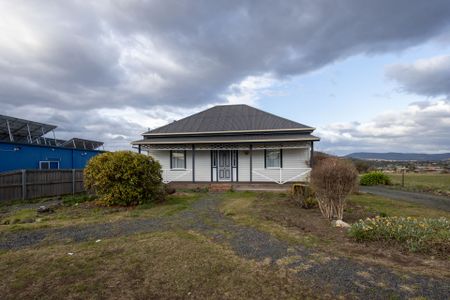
237, 186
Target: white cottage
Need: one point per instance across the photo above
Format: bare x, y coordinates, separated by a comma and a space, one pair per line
234, 144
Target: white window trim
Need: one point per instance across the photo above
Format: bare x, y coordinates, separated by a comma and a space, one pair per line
280, 159
185, 160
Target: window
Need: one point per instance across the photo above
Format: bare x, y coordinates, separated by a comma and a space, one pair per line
49, 165
234, 158
273, 158
178, 159
214, 158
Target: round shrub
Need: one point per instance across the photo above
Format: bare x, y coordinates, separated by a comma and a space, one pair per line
124, 178
374, 178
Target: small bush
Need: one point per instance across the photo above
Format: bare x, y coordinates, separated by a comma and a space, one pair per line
375, 178
415, 235
332, 180
303, 196
124, 178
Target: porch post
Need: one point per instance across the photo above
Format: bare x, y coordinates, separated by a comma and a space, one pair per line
193, 163
251, 163
139, 149
311, 155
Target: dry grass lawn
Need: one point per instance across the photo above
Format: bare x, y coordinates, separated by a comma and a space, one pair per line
164, 265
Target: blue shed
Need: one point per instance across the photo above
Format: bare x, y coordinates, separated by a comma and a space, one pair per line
23, 145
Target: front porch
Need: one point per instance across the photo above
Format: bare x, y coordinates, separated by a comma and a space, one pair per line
277, 163
235, 186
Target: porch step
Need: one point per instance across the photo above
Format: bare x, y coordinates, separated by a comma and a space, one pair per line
220, 187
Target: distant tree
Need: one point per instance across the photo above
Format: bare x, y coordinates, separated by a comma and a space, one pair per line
319, 156
361, 166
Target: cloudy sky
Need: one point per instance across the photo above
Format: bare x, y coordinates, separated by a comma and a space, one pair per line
369, 75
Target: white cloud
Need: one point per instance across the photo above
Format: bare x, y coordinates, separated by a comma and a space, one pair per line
251, 89
421, 127
428, 77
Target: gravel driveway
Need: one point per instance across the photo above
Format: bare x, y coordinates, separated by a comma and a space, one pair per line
345, 276
438, 202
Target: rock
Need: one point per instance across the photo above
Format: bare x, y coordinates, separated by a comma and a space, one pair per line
340, 223
44, 209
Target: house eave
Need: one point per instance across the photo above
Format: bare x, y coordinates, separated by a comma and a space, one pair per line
149, 133
149, 142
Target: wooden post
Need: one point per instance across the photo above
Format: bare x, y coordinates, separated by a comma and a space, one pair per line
251, 163
193, 163
24, 184
73, 181
403, 177
311, 155
139, 149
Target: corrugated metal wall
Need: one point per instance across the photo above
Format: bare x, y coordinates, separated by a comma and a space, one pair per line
23, 156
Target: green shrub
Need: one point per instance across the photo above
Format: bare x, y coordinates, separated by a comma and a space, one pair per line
374, 178
124, 178
412, 234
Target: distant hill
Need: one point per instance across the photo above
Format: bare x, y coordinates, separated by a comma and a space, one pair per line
400, 156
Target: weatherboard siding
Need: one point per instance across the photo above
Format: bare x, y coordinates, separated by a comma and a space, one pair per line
203, 165
244, 165
294, 160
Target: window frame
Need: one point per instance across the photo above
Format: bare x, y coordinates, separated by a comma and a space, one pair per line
280, 158
49, 162
171, 159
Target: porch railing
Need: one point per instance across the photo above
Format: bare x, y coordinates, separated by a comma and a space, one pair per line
169, 175
282, 175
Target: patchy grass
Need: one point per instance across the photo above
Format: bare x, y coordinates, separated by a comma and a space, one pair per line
276, 214
81, 209
164, 265
378, 205
255, 209
436, 183
20, 217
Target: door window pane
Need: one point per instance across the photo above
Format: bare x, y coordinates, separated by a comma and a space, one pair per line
273, 158
54, 165
178, 160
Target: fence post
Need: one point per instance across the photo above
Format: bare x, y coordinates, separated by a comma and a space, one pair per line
24, 184
73, 181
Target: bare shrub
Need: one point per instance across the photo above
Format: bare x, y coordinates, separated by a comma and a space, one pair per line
332, 180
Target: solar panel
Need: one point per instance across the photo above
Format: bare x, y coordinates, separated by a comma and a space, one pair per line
23, 131
29, 132
77, 143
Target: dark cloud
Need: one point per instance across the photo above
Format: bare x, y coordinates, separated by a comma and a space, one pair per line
428, 77
71, 56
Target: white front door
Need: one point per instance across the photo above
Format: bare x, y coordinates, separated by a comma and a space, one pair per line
224, 165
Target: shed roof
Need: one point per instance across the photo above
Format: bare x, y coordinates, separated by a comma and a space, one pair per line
229, 118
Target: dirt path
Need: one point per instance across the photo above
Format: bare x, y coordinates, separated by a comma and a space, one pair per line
438, 202
343, 275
